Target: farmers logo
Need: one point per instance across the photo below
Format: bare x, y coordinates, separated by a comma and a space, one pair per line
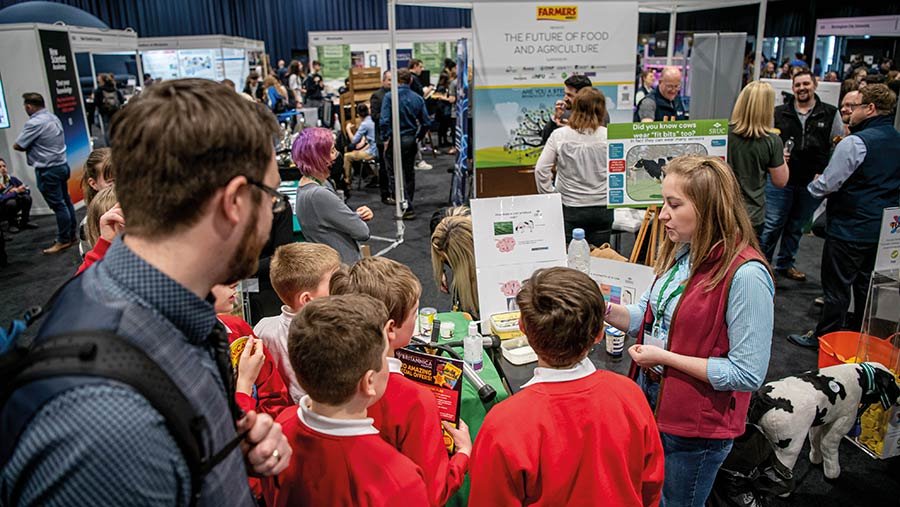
557, 12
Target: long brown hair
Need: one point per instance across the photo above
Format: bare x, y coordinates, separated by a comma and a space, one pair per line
713, 190
588, 110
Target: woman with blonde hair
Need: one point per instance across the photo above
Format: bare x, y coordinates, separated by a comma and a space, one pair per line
452, 246
704, 328
578, 150
755, 151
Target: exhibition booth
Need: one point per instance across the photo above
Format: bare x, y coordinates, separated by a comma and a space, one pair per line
59, 80
838, 40
339, 51
215, 57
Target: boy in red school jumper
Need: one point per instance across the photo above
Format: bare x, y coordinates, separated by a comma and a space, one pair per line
573, 435
407, 415
338, 346
259, 372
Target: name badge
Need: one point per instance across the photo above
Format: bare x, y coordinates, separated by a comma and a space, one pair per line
656, 337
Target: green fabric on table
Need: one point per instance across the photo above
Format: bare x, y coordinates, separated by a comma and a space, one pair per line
472, 410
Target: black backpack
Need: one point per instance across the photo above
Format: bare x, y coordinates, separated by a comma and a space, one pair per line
110, 102
90, 357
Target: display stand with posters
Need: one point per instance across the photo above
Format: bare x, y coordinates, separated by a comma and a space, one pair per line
520, 68
38, 58
214, 57
513, 237
461, 181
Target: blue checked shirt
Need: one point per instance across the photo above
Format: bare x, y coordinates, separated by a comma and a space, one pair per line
104, 444
750, 317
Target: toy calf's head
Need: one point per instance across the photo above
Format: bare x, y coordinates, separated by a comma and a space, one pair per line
878, 385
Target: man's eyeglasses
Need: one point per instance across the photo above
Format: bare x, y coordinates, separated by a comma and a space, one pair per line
279, 201
852, 106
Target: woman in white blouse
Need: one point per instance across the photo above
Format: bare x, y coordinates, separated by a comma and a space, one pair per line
578, 151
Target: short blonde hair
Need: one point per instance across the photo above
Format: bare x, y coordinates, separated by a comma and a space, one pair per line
386, 280
754, 111
299, 267
102, 202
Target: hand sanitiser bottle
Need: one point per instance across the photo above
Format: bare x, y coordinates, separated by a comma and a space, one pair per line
473, 350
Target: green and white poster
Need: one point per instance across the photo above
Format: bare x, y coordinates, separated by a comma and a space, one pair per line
521, 64
432, 55
335, 60
639, 152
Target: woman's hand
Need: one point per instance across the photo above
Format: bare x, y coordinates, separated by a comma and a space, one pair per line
112, 223
364, 213
647, 356
249, 365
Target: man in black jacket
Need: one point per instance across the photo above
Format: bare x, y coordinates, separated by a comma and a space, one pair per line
808, 127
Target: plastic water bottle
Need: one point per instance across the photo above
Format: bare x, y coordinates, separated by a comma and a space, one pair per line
579, 252
473, 350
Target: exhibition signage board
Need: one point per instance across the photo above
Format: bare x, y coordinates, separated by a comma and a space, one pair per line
873, 26
335, 60
513, 237
621, 283
638, 153
888, 257
521, 64
4, 111
65, 102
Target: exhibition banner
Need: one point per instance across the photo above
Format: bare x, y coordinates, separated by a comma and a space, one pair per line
521, 64
888, 256
65, 102
335, 60
513, 237
459, 186
4, 111
639, 152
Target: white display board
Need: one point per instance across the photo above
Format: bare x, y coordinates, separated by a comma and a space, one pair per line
197, 63
161, 64
521, 64
888, 256
514, 236
638, 153
829, 92
621, 283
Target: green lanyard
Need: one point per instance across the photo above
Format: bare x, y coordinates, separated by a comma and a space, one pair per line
662, 305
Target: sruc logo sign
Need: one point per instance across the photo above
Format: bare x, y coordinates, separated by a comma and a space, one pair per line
557, 13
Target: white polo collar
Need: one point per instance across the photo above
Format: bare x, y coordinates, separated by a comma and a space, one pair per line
584, 368
286, 314
331, 426
394, 365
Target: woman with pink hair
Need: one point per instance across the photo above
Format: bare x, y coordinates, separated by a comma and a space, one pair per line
323, 216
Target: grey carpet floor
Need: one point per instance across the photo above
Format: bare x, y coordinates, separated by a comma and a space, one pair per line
31, 277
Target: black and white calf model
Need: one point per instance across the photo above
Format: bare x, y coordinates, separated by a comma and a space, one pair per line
823, 404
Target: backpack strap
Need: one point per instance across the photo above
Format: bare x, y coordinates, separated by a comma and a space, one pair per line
59, 363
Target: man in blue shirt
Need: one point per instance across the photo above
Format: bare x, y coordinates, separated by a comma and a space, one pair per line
862, 178
44, 143
362, 144
414, 122
200, 198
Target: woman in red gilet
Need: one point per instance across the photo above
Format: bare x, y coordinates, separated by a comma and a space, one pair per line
704, 328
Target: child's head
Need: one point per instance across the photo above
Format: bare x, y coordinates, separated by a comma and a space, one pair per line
562, 315
390, 282
98, 173
102, 202
301, 272
338, 348
224, 296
